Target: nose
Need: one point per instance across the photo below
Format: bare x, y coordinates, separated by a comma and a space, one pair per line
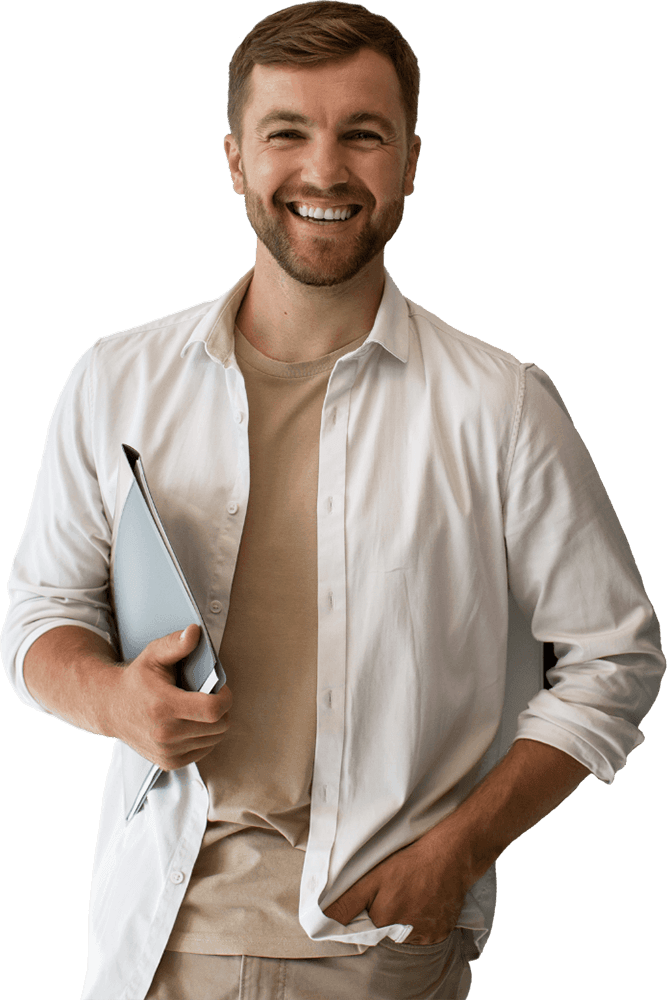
324, 164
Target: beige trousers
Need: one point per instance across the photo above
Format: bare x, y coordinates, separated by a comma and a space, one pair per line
388, 971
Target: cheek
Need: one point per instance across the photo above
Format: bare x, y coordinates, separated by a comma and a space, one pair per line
385, 181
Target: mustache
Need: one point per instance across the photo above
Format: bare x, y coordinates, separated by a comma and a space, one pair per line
342, 193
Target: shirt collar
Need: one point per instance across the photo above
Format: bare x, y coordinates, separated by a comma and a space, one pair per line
391, 322
215, 330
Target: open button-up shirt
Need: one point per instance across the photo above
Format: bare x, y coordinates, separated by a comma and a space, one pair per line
450, 477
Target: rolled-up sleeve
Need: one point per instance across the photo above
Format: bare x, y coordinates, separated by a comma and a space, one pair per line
572, 572
61, 572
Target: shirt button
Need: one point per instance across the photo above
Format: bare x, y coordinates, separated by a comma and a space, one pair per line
215, 607
238, 416
232, 507
176, 877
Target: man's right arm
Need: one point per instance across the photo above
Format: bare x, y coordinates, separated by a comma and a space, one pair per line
74, 674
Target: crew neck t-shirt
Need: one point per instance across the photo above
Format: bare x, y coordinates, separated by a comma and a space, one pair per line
243, 896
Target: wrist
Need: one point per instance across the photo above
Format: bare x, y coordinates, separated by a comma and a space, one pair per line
462, 839
101, 682
524, 787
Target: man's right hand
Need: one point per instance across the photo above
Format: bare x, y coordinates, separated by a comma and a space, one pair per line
165, 724
73, 673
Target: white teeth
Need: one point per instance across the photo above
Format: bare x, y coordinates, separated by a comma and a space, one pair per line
329, 215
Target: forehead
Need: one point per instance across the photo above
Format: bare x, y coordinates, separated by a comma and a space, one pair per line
331, 92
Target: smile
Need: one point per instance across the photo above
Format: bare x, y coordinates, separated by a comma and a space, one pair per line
323, 216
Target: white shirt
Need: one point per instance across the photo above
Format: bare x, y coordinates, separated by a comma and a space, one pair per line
449, 473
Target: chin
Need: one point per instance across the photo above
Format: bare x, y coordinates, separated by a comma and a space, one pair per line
319, 277
325, 265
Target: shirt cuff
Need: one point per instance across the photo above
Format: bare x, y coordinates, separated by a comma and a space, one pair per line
599, 742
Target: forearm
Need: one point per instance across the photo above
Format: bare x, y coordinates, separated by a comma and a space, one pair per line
71, 672
74, 674
531, 780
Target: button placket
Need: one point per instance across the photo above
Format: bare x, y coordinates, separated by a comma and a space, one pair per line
332, 616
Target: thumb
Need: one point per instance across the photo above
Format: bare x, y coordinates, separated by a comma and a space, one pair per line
348, 906
164, 653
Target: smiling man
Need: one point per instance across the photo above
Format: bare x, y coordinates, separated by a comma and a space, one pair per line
354, 490
324, 156
328, 145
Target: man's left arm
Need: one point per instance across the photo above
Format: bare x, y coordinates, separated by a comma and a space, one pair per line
571, 571
425, 883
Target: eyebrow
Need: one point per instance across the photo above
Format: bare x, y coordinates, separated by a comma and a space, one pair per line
280, 116
371, 118
274, 117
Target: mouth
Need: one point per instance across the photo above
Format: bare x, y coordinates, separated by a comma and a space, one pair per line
323, 216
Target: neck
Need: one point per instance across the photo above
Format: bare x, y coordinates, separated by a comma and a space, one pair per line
289, 321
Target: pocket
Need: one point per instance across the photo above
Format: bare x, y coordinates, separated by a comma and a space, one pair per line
441, 947
418, 971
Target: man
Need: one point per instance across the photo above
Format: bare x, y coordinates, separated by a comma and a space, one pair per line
351, 486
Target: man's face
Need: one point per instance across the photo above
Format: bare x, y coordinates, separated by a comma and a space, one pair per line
326, 139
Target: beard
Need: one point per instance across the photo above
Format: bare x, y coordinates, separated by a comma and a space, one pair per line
330, 259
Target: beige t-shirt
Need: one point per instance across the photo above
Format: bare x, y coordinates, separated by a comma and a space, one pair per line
243, 897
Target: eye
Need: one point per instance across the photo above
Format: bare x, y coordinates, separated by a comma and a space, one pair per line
366, 136
285, 134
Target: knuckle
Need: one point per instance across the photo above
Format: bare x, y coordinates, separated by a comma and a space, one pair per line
211, 714
152, 649
169, 764
224, 700
163, 735
215, 712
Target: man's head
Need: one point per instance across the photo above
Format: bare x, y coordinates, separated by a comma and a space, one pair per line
323, 106
310, 34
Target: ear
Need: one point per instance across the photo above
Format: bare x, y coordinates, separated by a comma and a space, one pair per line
233, 152
411, 169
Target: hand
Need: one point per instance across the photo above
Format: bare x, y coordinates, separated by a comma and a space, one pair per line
165, 724
423, 884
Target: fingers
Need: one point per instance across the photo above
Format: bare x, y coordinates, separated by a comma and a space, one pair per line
207, 709
169, 649
165, 724
348, 906
175, 748
192, 757
176, 728
161, 655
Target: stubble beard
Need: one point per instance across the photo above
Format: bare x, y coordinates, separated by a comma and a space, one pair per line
330, 263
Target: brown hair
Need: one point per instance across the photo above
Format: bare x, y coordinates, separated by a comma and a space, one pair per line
314, 33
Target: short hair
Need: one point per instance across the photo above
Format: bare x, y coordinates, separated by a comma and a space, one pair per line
314, 33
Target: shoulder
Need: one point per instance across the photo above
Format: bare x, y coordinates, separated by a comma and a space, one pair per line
170, 334
458, 363
432, 327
